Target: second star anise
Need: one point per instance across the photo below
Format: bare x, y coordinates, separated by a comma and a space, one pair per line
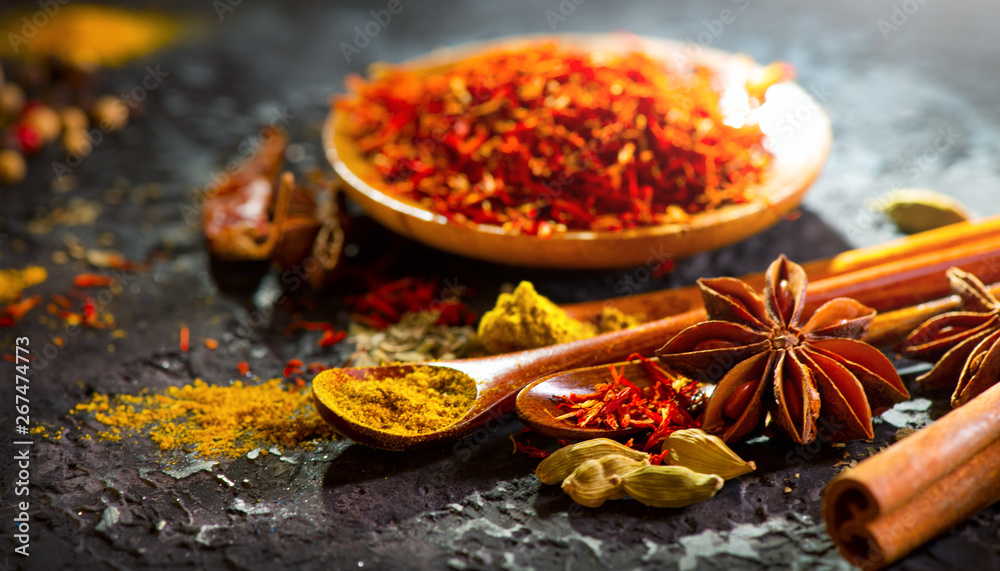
774, 361
965, 345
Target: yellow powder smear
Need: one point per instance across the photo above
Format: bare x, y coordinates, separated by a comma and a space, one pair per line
85, 34
212, 420
614, 319
523, 319
423, 400
13, 281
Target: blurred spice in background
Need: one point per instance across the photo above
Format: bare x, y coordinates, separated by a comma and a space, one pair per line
48, 89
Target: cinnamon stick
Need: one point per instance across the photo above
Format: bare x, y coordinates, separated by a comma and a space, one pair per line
893, 502
660, 304
884, 287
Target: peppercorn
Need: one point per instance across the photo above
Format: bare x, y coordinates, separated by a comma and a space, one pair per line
11, 98
44, 120
110, 113
12, 166
74, 118
76, 142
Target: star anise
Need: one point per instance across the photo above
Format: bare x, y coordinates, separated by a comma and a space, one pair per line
965, 345
800, 371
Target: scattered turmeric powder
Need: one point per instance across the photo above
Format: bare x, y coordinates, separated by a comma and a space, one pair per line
212, 420
524, 319
14, 281
425, 399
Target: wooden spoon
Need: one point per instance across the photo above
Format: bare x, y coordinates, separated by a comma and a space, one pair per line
798, 159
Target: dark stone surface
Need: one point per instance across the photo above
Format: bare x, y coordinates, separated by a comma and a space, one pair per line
472, 504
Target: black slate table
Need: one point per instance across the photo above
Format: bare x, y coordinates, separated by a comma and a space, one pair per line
911, 87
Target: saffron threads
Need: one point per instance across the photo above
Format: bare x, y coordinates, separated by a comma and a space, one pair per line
185, 339
662, 406
543, 138
386, 302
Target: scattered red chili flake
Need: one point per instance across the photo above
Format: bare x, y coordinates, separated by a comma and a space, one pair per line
61, 301
662, 406
211, 344
90, 314
292, 368
14, 312
185, 339
13, 359
243, 367
316, 367
523, 448
92, 280
332, 338
309, 326
657, 459
543, 138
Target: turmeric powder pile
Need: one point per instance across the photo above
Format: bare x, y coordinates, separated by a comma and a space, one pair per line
425, 399
524, 319
212, 420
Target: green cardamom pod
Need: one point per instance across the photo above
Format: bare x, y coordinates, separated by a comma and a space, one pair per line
917, 210
670, 486
564, 461
704, 453
591, 485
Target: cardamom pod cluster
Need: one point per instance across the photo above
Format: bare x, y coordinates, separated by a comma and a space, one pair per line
594, 471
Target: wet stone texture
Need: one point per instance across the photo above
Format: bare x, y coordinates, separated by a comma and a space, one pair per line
910, 87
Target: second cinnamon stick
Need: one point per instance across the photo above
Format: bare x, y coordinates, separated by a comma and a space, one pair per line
905, 495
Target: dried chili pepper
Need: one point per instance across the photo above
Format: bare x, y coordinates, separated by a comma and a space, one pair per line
543, 138
255, 214
185, 339
292, 368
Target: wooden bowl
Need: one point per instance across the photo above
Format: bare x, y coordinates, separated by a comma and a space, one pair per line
796, 123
